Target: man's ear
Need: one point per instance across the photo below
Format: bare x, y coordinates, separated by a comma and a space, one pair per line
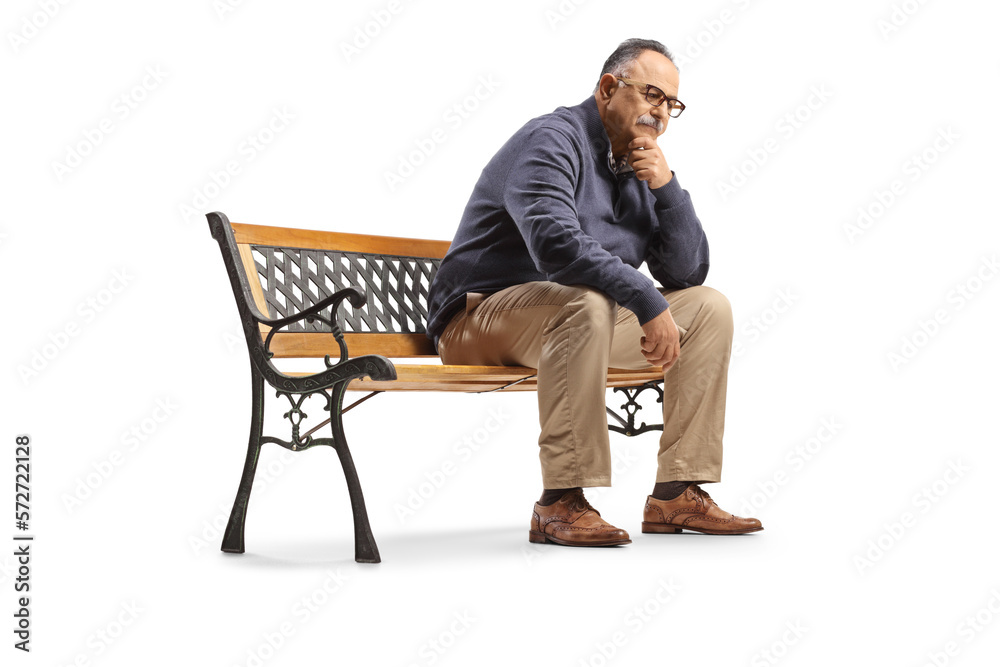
607, 86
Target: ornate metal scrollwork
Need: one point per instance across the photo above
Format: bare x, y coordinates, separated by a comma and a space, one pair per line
338, 335
295, 415
321, 303
631, 406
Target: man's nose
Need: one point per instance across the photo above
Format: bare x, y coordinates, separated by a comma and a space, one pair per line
660, 113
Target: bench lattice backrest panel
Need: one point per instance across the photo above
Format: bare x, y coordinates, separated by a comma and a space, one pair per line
396, 286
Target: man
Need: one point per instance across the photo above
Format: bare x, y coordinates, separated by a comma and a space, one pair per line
543, 273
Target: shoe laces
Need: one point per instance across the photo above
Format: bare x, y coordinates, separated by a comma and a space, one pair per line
698, 491
578, 503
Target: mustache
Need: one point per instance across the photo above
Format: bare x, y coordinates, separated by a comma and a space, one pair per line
646, 119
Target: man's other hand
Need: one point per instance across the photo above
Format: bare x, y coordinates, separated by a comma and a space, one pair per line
648, 162
661, 344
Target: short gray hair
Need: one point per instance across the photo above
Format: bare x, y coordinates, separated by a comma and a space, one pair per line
620, 62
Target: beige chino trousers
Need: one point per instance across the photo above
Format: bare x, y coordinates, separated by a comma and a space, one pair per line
572, 334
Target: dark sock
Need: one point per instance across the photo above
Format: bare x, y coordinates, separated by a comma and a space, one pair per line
668, 490
549, 496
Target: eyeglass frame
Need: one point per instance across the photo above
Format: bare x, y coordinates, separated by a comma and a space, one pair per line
674, 102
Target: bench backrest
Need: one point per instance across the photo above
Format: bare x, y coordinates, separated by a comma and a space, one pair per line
287, 270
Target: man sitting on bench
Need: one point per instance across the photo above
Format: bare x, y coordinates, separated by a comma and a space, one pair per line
543, 272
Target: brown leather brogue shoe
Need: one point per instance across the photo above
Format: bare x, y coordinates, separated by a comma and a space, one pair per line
572, 522
693, 510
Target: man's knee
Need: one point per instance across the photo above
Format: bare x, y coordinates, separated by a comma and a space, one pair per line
711, 305
713, 298
595, 299
591, 308
597, 304
716, 307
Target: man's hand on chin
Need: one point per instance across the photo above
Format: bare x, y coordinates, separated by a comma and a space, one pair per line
648, 162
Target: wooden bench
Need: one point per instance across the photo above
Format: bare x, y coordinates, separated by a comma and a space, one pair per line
289, 285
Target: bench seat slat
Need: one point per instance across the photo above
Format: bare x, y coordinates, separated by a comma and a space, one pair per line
437, 377
308, 344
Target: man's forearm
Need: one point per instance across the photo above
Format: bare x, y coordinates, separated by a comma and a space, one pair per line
678, 253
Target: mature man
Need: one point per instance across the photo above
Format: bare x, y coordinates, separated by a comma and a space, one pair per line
543, 272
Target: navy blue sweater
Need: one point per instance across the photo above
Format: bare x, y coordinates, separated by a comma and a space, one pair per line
549, 207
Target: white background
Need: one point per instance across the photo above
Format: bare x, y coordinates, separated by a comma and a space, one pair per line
864, 566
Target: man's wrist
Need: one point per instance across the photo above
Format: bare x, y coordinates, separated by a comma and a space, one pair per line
670, 177
670, 194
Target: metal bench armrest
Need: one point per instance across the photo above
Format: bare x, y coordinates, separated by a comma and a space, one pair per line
355, 295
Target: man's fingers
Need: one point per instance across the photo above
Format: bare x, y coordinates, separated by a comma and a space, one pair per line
642, 142
644, 166
660, 344
640, 157
670, 355
653, 350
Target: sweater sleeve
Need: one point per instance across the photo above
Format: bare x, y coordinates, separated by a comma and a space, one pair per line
678, 250
539, 196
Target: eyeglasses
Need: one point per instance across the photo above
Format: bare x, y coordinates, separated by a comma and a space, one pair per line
656, 97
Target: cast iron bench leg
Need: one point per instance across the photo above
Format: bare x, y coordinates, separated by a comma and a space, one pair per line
365, 549
232, 540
